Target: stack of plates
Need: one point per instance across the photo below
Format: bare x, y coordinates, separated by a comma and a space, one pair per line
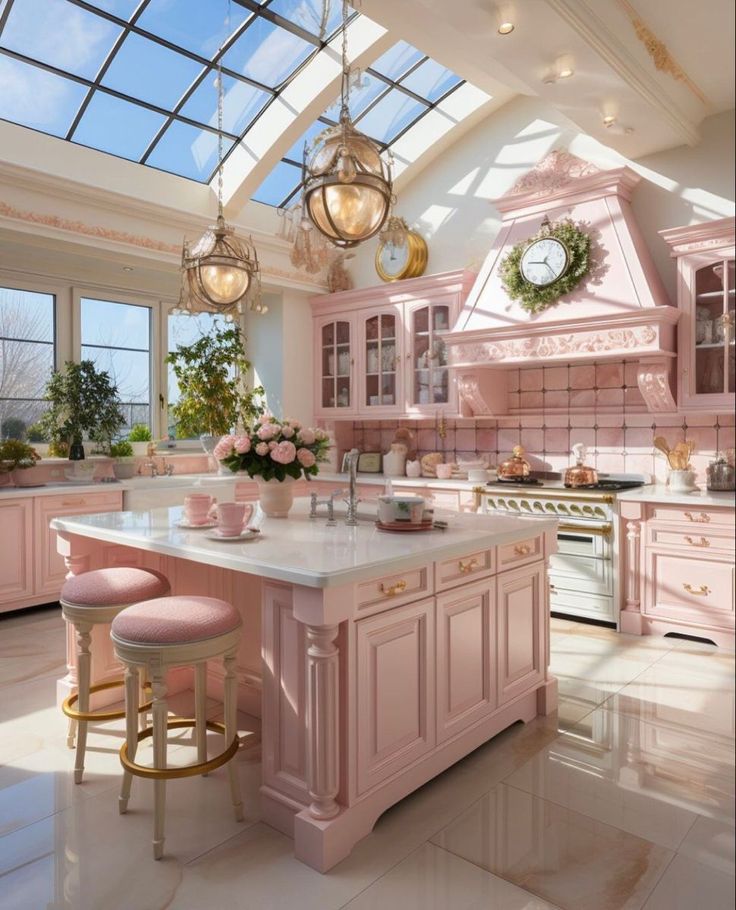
425, 525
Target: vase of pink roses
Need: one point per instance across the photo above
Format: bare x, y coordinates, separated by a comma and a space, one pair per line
275, 453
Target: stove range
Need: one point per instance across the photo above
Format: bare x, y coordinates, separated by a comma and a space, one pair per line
614, 486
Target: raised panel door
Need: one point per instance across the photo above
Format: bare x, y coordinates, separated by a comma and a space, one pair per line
429, 382
466, 635
335, 366
395, 691
381, 387
520, 617
16, 550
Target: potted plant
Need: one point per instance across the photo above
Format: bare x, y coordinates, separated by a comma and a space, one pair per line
124, 466
213, 396
139, 438
16, 457
276, 453
83, 402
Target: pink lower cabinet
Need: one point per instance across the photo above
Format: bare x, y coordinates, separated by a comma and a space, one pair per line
466, 644
521, 623
699, 591
16, 552
49, 568
395, 690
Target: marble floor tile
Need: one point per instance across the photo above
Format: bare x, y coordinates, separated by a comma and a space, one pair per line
682, 699
711, 843
572, 861
433, 879
634, 776
686, 885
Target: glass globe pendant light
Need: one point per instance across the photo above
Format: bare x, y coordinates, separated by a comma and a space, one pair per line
346, 184
220, 270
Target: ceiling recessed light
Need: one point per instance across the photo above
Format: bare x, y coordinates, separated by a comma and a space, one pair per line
504, 18
609, 120
505, 28
564, 67
127, 268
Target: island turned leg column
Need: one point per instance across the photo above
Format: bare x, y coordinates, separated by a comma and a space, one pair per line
76, 552
631, 619
322, 710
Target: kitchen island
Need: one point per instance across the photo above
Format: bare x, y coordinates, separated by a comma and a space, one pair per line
375, 660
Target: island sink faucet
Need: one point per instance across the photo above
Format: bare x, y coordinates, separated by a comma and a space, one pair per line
329, 502
352, 501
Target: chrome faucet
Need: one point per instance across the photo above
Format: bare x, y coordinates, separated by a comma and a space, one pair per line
329, 502
167, 469
352, 500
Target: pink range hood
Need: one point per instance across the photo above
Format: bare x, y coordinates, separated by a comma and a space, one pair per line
620, 311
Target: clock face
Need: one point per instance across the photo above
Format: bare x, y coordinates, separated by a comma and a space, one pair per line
544, 261
393, 259
407, 261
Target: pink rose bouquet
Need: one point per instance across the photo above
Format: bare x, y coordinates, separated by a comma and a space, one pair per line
273, 448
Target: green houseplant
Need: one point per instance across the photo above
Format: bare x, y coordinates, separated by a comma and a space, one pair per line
214, 397
15, 456
139, 438
124, 466
83, 401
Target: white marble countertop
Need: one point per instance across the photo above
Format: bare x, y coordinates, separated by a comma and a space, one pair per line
661, 493
301, 551
60, 487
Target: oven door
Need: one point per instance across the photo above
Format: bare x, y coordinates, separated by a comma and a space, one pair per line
582, 563
592, 540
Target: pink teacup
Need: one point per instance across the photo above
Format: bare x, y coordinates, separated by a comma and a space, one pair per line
231, 516
197, 508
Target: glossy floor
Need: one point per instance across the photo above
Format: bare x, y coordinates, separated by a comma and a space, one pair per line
623, 799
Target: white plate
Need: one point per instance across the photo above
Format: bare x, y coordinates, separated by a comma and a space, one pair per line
211, 523
247, 534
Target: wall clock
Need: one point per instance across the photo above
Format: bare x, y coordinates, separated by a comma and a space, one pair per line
394, 263
545, 267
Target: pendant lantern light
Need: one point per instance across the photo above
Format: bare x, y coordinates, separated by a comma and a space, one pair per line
346, 184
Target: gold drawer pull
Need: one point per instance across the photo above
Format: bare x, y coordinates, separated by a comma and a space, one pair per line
468, 566
702, 591
393, 590
702, 518
703, 542
72, 502
523, 549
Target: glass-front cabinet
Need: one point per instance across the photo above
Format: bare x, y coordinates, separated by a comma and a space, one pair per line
381, 366
706, 330
429, 385
336, 362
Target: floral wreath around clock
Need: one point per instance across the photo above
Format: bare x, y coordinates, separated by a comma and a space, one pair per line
534, 298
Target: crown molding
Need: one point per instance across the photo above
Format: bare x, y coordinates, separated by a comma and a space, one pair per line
708, 235
593, 30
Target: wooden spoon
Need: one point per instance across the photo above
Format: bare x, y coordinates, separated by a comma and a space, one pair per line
661, 443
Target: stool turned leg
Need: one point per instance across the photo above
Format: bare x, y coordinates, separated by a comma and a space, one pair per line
143, 716
83, 675
231, 731
131, 731
200, 711
71, 733
159, 758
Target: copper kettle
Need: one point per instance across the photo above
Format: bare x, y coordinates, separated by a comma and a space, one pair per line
580, 475
515, 467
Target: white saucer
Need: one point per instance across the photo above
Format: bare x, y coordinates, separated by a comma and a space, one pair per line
246, 534
210, 523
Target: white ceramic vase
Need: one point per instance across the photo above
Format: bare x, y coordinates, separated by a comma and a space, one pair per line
682, 481
276, 497
394, 461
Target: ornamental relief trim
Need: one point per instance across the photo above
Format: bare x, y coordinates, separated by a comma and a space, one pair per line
552, 345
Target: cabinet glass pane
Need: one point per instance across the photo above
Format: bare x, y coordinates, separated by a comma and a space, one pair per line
380, 360
336, 363
713, 336
429, 355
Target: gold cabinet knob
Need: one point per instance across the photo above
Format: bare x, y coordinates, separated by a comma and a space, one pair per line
701, 518
700, 591
703, 542
522, 549
393, 590
468, 566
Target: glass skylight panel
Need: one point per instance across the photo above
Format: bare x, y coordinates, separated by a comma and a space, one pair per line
187, 151
150, 72
390, 116
196, 25
62, 35
431, 80
281, 183
397, 60
116, 126
267, 53
34, 97
123, 9
308, 14
360, 97
296, 152
242, 103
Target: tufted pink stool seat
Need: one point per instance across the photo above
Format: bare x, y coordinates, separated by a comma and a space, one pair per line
119, 585
175, 620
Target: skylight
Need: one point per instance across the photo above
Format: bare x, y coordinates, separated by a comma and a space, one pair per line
395, 93
136, 78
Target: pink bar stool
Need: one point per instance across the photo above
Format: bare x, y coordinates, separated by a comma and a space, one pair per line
86, 600
173, 632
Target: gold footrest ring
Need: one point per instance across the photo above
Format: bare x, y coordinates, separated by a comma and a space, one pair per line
202, 767
67, 706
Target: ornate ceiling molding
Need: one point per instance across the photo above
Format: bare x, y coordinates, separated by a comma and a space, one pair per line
554, 171
593, 30
659, 52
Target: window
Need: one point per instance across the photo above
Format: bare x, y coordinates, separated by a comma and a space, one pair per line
117, 337
27, 355
185, 330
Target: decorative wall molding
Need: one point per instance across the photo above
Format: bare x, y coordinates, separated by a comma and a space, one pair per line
654, 381
554, 171
708, 235
594, 31
659, 52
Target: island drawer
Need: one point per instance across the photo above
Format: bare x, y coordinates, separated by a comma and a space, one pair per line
391, 590
520, 552
692, 516
76, 503
459, 569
